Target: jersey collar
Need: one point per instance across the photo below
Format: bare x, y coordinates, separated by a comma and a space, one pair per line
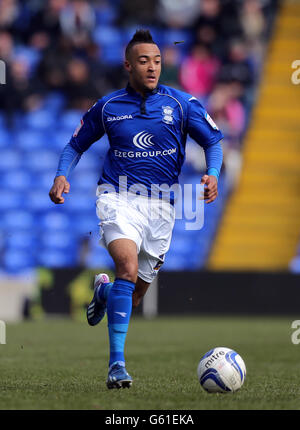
130, 90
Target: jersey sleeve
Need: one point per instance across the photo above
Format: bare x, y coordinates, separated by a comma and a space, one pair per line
89, 130
200, 126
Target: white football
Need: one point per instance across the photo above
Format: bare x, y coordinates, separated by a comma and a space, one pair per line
221, 370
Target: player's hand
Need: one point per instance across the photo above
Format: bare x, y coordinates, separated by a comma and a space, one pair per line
60, 186
210, 188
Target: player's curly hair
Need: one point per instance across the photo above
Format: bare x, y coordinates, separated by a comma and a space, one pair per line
140, 36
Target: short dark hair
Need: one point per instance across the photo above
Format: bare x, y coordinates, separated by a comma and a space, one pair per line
140, 36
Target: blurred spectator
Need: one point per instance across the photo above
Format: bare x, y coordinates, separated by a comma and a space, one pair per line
136, 11
237, 66
78, 21
52, 68
219, 21
79, 89
6, 46
178, 14
198, 71
14, 17
170, 59
229, 113
21, 93
254, 27
45, 27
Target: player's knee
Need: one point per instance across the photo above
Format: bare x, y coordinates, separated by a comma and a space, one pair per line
127, 269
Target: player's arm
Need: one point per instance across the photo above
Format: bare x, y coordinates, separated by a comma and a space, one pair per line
204, 131
89, 130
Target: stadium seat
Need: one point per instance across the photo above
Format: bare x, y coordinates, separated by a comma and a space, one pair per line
5, 138
10, 159
17, 180
54, 102
110, 40
69, 120
55, 220
85, 180
17, 219
21, 239
56, 258
41, 160
10, 200
38, 200
41, 119
57, 240
18, 260
31, 139
99, 258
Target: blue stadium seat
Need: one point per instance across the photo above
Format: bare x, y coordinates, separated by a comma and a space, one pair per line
16, 260
85, 180
10, 200
21, 239
98, 258
5, 138
85, 224
61, 137
44, 180
17, 180
38, 200
31, 139
41, 119
54, 102
111, 42
17, 219
41, 160
56, 220
58, 240
69, 120
10, 159
56, 258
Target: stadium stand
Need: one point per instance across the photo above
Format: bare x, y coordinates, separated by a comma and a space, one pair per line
261, 224
61, 56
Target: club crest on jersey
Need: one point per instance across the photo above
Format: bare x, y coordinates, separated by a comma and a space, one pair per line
167, 113
211, 121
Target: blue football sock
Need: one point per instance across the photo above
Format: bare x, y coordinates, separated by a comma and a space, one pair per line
103, 291
119, 306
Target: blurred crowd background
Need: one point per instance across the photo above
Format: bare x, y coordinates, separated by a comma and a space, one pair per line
61, 56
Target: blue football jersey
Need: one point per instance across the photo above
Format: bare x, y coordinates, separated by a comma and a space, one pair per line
147, 135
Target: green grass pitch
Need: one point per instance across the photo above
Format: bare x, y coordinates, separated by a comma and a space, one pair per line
62, 364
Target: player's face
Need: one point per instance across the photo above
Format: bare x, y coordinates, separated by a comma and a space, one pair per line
144, 66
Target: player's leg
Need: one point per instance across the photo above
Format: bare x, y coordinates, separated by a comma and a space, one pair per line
141, 288
119, 307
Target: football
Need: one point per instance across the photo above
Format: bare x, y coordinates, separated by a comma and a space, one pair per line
221, 370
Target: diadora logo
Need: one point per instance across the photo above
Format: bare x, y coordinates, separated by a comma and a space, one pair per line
119, 118
143, 140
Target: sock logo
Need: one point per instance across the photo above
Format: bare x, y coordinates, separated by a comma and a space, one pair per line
123, 314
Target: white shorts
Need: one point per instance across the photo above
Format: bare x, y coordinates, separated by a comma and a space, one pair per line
148, 222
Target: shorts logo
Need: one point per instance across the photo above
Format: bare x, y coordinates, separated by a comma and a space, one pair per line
167, 113
143, 140
160, 262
